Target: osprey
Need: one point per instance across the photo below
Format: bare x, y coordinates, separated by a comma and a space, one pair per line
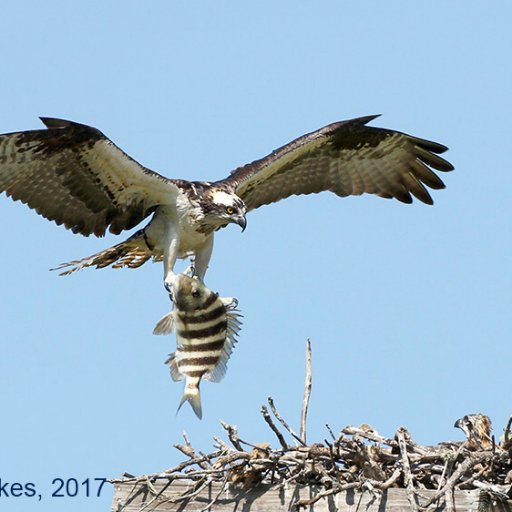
74, 175
478, 428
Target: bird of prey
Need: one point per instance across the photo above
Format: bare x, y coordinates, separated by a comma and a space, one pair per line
477, 428
74, 175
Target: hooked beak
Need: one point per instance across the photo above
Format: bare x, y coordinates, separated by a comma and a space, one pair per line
460, 423
242, 222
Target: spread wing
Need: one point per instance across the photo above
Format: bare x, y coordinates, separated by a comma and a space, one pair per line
74, 175
347, 158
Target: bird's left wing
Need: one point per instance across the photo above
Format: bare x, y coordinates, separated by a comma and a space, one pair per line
347, 158
74, 175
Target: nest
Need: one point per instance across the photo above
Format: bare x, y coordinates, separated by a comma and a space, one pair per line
355, 459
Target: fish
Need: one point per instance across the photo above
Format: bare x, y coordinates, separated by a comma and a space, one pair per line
206, 327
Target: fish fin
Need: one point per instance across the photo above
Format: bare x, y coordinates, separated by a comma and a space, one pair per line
192, 396
176, 375
233, 316
217, 374
165, 325
229, 301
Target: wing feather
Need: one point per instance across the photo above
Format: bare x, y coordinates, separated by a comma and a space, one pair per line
347, 158
74, 175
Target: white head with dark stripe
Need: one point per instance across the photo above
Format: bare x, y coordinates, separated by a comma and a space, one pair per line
224, 208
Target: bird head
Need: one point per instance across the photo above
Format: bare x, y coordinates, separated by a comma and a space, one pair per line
226, 208
477, 428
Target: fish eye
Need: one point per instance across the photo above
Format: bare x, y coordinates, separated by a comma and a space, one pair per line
230, 210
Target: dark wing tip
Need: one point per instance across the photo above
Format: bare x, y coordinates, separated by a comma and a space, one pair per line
404, 197
367, 119
361, 120
54, 122
343, 126
427, 155
429, 145
72, 133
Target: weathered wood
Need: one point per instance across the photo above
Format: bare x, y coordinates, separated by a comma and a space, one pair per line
307, 393
136, 497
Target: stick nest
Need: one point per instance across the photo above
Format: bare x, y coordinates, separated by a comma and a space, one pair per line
357, 459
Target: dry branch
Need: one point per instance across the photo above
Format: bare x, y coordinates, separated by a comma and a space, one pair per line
401, 434
307, 393
279, 418
272, 425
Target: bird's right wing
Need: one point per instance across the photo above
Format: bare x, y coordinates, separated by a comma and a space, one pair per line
74, 175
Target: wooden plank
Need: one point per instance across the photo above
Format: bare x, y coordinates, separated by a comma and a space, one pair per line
130, 497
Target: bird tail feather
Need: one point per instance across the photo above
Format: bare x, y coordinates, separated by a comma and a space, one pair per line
131, 253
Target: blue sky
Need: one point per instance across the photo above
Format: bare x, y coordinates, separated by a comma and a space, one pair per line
407, 306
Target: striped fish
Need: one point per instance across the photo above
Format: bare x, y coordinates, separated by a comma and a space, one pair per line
206, 327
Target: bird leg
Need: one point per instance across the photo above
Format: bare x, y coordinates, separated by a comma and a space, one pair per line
199, 261
202, 259
170, 257
191, 269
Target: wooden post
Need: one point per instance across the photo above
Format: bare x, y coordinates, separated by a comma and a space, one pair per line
138, 497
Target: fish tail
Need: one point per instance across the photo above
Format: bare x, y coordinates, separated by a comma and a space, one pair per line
191, 394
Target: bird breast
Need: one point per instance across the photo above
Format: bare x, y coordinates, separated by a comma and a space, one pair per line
179, 223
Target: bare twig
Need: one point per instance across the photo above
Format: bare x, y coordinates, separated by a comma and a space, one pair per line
307, 393
390, 481
449, 501
471, 480
191, 462
408, 478
233, 435
496, 491
186, 450
331, 433
370, 434
217, 496
156, 496
271, 424
198, 489
219, 443
283, 422
335, 490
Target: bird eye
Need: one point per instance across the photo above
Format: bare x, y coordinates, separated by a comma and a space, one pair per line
230, 210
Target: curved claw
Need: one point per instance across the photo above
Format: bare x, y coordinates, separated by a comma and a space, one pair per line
169, 285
